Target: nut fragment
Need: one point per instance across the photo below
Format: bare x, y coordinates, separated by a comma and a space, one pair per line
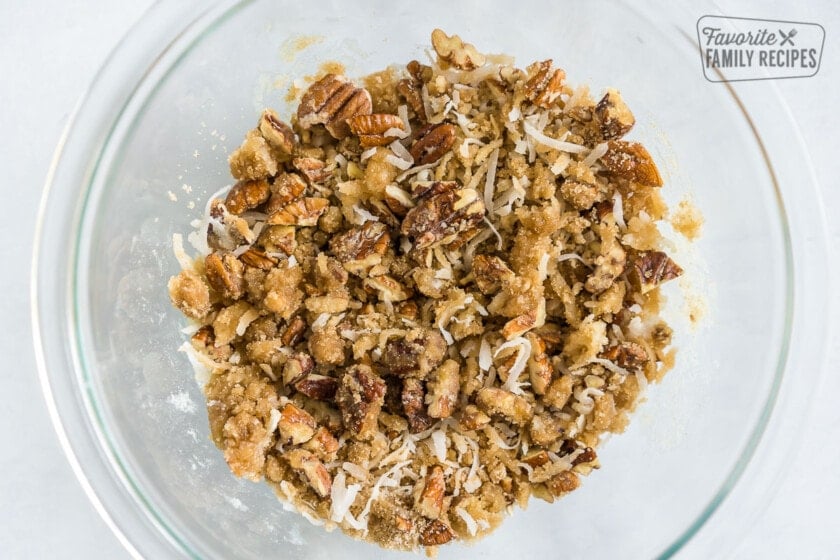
225, 274
443, 388
539, 366
372, 129
443, 218
253, 160
608, 265
278, 134
296, 425
614, 117
436, 533
331, 101
318, 387
297, 367
472, 418
456, 52
629, 355
558, 392
651, 268
388, 288
431, 142
313, 169
632, 161
359, 397
430, 504
362, 246
411, 88
258, 259
313, 469
563, 483
413, 398
294, 331
189, 293
323, 444
303, 212
489, 273
285, 188
246, 195
544, 85
498, 401
418, 353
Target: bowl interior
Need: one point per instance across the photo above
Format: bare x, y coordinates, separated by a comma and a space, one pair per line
168, 153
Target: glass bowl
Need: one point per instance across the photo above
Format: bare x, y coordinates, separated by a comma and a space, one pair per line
150, 141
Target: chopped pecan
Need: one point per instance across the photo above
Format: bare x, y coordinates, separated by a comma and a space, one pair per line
278, 134
431, 142
443, 218
318, 387
362, 246
294, 331
397, 200
285, 188
651, 268
246, 195
629, 355
323, 444
614, 117
563, 483
608, 266
630, 160
330, 303
225, 274
443, 388
426, 189
312, 168
258, 259
558, 392
418, 353
588, 456
204, 340
521, 324
359, 397
303, 212
278, 239
536, 458
412, 92
189, 293
413, 399
372, 129
297, 367
327, 347
456, 52
436, 533
296, 425
253, 160
489, 272
544, 429
430, 504
330, 275
539, 366
472, 418
504, 403
388, 288
544, 85
313, 469
331, 101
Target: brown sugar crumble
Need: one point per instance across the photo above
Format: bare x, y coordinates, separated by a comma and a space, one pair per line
427, 298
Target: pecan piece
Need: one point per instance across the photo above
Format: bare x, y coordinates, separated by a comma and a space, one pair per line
372, 129
204, 340
444, 218
489, 273
608, 266
614, 117
285, 188
359, 397
331, 101
323, 444
258, 259
512, 407
413, 399
387, 288
588, 456
563, 483
296, 425
431, 142
189, 294
418, 353
225, 274
472, 418
278, 134
246, 195
303, 212
412, 92
540, 369
544, 85
313, 470
456, 52
443, 388
436, 533
297, 367
630, 160
253, 159
397, 200
312, 168
558, 392
629, 355
536, 458
318, 387
362, 246
294, 331
430, 504
651, 268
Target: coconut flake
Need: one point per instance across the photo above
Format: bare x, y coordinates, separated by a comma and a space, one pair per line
246, 319
472, 526
355, 470
447, 336
609, 365
402, 113
439, 444
292, 261
596, 153
321, 321
490, 180
367, 154
397, 162
364, 215
570, 256
485, 358
178, 248
273, 420
549, 142
342, 497
618, 210
519, 364
401, 152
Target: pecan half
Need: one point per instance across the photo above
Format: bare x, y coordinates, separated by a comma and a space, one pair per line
430, 504
630, 160
444, 218
258, 259
278, 134
504, 403
489, 272
456, 52
431, 142
359, 397
331, 101
225, 274
413, 398
296, 425
544, 84
318, 387
361, 246
371, 129
418, 353
650, 269
246, 195
303, 212
436, 533
614, 117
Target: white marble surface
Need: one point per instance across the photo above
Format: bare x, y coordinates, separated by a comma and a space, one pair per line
50, 50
